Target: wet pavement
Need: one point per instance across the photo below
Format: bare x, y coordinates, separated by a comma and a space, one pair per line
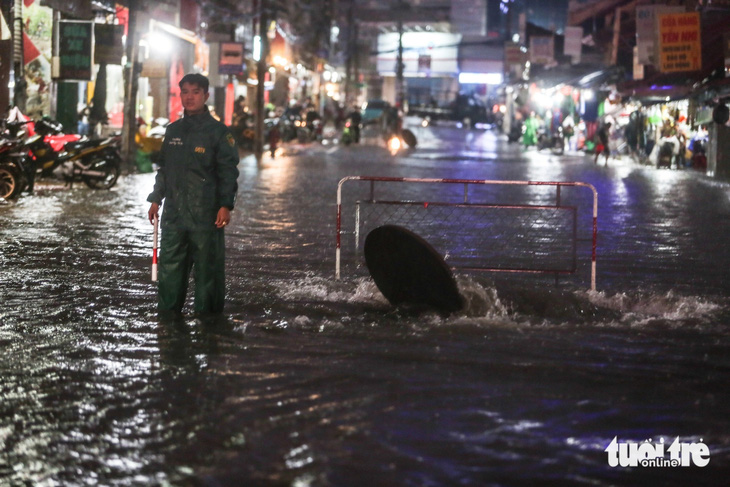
311, 381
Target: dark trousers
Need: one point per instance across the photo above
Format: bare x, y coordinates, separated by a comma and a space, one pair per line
181, 251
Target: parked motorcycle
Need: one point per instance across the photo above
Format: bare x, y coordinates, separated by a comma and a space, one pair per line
15, 167
95, 162
553, 141
12, 170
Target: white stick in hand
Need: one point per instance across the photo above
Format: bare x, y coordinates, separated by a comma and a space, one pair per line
154, 251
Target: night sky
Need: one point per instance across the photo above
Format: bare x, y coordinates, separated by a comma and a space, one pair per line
549, 14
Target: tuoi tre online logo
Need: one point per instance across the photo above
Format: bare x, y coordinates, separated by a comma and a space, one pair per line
652, 454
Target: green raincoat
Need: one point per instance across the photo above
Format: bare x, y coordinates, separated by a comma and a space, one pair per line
198, 176
530, 136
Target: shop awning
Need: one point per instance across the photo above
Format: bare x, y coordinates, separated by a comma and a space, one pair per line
183, 34
578, 76
658, 88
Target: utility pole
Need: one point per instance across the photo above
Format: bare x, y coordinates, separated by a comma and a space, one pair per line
260, 77
350, 51
399, 67
6, 56
131, 76
402, 8
356, 62
20, 94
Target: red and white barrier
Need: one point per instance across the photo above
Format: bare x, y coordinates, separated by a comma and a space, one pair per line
466, 182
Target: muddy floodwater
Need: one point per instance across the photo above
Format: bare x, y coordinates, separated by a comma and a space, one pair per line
307, 380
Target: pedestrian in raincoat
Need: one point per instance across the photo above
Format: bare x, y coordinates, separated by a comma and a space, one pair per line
198, 182
530, 136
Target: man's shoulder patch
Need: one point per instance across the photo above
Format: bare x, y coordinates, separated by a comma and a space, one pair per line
230, 140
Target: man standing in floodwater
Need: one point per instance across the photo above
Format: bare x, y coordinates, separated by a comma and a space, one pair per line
198, 181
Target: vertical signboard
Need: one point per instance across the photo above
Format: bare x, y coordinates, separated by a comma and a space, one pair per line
515, 57
34, 34
573, 43
542, 49
108, 43
469, 17
645, 33
638, 67
680, 48
647, 17
75, 44
231, 58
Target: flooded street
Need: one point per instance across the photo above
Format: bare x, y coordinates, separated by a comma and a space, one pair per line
311, 381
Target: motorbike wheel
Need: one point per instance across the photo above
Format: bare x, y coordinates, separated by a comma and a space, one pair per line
409, 138
10, 184
107, 163
302, 136
558, 146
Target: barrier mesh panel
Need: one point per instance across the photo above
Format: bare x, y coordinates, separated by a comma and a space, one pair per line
527, 238
500, 226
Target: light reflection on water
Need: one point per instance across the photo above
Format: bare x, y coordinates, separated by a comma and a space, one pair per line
312, 381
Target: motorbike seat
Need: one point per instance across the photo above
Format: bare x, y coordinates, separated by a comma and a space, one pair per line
80, 144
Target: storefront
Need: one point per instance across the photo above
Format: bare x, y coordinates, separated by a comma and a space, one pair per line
430, 67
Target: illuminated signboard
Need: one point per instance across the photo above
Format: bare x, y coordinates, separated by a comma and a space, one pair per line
75, 45
680, 47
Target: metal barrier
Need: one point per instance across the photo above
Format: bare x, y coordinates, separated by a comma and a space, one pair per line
521, 233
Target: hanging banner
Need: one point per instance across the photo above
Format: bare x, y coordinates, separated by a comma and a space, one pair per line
542, 49
4, 29
638, 67
37, 28
75, 45
108, 45
573, 43
680, 47
645, 33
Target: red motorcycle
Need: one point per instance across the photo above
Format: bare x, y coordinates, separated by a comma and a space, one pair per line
96, 162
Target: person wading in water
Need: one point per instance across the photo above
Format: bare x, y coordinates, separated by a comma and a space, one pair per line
198, 182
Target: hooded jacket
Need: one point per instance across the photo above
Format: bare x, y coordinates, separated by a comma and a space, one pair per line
198, 174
